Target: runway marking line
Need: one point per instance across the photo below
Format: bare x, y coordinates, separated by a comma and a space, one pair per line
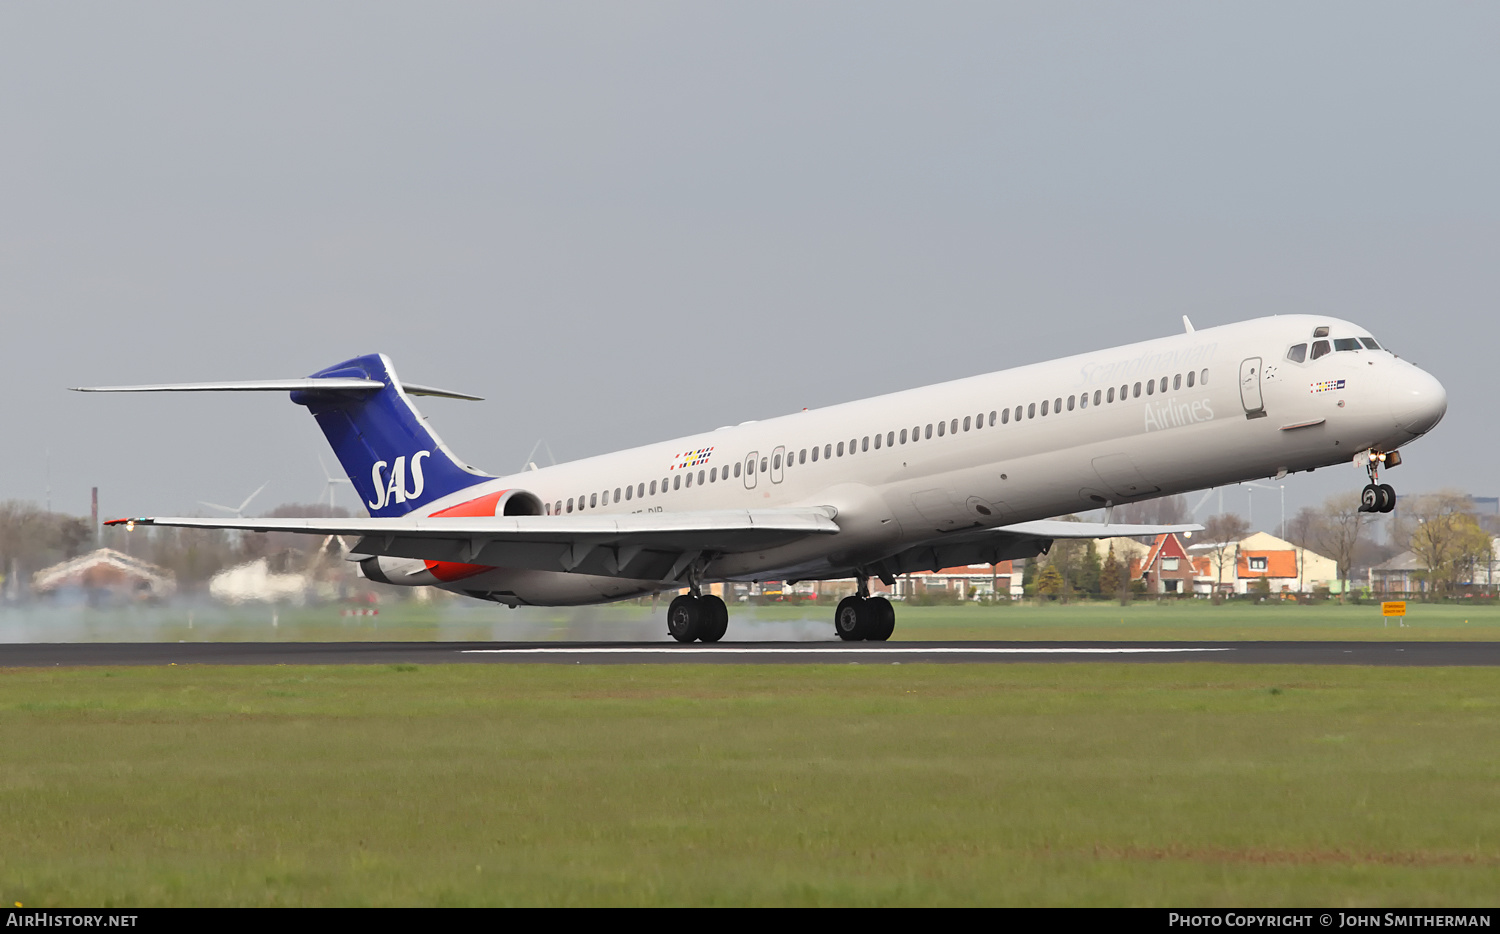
705, 650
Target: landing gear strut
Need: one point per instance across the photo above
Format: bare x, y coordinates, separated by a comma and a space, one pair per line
862, 617
1377, 496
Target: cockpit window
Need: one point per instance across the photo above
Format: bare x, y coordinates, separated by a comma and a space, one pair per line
1298, 353
1369, 343
1320, 348
1346, 343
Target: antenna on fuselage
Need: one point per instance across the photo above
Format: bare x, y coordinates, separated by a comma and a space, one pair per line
1187, 326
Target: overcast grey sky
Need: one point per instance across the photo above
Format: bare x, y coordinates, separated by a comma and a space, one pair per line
621, 222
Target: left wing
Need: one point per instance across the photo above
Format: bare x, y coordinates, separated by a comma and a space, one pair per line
1056, 528
647, 546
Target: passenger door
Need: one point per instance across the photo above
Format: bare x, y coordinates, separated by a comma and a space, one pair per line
1250, 397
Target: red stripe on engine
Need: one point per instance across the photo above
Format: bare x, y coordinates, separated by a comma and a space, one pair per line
447, 571
483, 506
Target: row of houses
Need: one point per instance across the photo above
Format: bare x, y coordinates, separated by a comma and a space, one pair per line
1261, 561
1169, 564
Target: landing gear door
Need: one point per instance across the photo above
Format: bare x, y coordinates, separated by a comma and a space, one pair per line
1119, 473
1255, 407
751, 462
776, 457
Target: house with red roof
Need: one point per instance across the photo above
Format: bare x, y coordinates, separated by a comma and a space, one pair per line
1276, 567
1167, 567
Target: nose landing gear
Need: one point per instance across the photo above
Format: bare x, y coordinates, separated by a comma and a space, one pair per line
1377, 496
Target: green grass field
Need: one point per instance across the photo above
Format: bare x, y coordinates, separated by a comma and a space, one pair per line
1172, 785
1199, 620
470, 620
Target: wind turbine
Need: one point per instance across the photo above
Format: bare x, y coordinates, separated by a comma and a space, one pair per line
238, 511
1249, 506
332, 482
540, 443
1206, 494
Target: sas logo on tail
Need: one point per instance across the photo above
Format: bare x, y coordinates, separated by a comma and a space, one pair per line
394, 490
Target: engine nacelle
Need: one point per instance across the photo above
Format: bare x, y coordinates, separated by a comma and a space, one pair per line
499, 503
419, 572
400, 572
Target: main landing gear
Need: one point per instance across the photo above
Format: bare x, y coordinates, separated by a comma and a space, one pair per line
695, 617
862, 618
692, 617
1377, 496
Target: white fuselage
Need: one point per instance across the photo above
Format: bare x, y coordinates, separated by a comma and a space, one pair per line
915, 466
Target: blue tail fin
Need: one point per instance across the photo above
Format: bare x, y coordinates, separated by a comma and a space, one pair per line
394, 460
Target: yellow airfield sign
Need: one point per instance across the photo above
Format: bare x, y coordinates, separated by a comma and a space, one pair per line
1393, 608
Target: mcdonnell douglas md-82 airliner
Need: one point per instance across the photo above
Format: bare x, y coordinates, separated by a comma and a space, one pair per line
963, 472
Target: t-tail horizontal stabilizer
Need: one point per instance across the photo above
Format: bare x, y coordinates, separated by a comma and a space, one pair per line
393, 459
285, 385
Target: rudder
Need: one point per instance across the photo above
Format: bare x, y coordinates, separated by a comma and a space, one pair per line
394, 460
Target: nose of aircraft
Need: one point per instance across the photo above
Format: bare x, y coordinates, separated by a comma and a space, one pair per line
1418, 400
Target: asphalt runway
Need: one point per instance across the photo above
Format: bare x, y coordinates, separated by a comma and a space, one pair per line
36, 655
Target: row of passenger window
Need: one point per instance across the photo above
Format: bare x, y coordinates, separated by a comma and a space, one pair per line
890, 439
1107, 396
639, 491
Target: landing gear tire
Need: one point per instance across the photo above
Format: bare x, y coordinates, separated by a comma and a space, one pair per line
852, 619
1387, 497
685, 618
715, 618
883, 619
1370, 498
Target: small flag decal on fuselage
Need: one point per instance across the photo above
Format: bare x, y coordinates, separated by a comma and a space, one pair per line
1327, 385
693, 458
